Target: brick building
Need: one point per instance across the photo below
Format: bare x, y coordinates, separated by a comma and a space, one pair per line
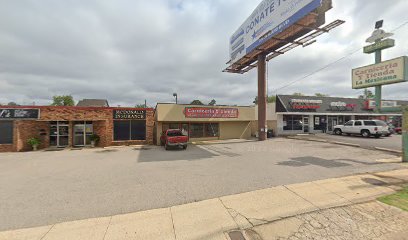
60, 127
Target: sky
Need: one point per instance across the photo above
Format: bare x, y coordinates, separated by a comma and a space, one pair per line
127, 51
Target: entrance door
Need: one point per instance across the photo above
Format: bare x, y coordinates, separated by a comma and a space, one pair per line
59, 134
82, 133
306, 124
332, 121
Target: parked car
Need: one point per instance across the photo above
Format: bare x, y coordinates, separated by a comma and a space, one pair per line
365, 128
173, 138
391, 130
398, 130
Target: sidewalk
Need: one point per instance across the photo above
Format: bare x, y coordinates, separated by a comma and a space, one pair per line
284, 211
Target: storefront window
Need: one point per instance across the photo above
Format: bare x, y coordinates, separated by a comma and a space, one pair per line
6, 130
129, 130
292, 123
201, 130
197, 130
211, 130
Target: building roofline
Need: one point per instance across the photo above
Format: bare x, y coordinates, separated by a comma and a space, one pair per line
74, 107
202, 105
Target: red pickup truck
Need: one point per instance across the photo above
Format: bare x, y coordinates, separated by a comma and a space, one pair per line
173, 138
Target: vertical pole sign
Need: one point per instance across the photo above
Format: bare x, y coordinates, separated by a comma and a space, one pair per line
405, 135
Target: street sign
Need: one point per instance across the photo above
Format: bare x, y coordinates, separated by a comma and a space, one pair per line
387, 43
387, 72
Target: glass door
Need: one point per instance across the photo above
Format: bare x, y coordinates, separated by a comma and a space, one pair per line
82, 133
306, 124
59, 134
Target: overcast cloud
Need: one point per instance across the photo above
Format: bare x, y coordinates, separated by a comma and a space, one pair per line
130, 50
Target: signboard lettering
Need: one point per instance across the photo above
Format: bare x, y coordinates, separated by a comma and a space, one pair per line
19, 113
305, 104
202, 112
387, 43
370, 104
270, 18
342, 106
388, 72
129, 114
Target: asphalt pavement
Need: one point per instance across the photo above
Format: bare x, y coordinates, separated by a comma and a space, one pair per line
41, 188
393, 142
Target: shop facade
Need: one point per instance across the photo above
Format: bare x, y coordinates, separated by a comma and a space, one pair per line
205, 122
63, 127
303, 114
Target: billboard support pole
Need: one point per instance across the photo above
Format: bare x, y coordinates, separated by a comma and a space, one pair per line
262, 127
378, 89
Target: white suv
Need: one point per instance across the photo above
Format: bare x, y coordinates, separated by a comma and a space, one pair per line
366, 128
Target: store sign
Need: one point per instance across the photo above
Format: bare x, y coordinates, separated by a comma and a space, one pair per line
388, 72
202, 112
305, 104
270, 18
342, 106
387, 43
19, 113
370, 104
129, 114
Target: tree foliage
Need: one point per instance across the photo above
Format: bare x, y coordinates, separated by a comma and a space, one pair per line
212, 103
63, 100
321, 95
368, 94
12, 104
196, 102
140, 106
298, 94
270, 99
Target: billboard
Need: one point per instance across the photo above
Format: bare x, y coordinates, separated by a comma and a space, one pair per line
387, 72
202, 112
270, 18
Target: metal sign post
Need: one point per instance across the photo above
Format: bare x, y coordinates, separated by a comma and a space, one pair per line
379, 44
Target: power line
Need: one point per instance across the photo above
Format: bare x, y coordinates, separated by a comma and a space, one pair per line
330, 64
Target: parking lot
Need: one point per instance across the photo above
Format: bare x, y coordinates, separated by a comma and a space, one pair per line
40, 188
393, 142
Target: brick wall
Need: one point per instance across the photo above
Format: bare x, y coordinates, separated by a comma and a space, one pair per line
102, 119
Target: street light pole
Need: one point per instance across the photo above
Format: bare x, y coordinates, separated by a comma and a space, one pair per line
175, 95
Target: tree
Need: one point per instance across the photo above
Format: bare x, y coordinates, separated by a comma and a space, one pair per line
298, 94
270, 99
63, 100
212, 103
321, 95
12, 104
368, 94
140, 106
196, 102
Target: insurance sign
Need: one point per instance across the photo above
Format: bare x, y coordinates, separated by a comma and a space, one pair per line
270, 18
388, 72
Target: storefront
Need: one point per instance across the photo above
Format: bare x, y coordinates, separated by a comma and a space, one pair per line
62, 127
302, 114
205, 122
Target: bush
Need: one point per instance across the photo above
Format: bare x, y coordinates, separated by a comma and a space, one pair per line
34, 141
94, 138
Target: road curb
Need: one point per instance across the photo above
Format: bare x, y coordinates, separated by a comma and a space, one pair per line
388, 150
347, 144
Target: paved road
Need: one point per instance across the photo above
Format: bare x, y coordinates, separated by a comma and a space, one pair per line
393, 142
41, 188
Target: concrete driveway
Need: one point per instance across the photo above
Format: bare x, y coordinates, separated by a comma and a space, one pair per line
40, 188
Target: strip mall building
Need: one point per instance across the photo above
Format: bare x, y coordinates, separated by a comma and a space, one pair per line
60, 127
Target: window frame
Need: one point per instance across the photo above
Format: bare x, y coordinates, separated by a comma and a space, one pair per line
130, 130
10, 138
